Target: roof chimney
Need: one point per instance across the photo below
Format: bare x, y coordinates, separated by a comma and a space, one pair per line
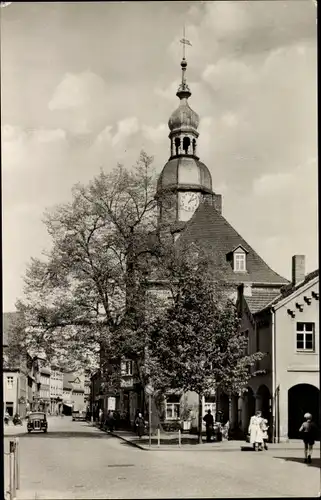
298, 269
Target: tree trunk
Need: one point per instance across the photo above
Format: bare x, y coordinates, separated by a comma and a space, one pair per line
200, 419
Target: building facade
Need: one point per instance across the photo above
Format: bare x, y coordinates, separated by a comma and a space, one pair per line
18, 374
56, 390
73, 391
286, 328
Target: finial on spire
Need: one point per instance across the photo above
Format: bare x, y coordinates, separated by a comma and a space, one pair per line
183, 88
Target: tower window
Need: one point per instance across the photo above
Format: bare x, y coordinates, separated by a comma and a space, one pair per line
186, 144
177, 144
194, 146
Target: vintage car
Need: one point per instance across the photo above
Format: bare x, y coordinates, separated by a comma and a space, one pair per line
78, 415
37, 421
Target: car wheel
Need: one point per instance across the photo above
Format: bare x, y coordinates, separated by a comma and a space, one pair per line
29, 431
45, 430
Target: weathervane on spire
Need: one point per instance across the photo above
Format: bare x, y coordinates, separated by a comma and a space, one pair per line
184, 41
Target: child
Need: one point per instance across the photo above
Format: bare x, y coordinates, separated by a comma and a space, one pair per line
309, 431
265, 429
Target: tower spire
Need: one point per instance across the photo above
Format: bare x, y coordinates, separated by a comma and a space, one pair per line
183, 89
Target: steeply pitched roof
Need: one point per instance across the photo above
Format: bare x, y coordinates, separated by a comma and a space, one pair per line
209, 230
286, 291
260, 298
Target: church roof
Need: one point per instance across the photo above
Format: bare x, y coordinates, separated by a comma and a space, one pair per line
173, 172
209, 230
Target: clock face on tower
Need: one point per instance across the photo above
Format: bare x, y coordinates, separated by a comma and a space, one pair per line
189, 201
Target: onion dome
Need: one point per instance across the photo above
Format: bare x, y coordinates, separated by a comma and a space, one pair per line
183, 117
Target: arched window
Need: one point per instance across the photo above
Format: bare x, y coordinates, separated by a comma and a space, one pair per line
186, 144
194, 146
177, 144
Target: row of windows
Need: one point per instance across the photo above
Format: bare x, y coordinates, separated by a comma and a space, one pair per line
305, 337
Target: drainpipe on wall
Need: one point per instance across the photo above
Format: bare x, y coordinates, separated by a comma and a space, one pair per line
18, 404
274, 398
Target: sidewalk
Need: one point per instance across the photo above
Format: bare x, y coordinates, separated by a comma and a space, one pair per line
189, 442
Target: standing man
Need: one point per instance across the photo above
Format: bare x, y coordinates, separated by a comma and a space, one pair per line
209, 422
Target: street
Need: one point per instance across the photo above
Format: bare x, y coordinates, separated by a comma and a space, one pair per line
76, 460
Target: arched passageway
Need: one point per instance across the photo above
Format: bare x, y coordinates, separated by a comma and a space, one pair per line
248, 409
302, 398
263, 401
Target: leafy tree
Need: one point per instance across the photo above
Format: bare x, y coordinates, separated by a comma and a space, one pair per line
87, 291
196, 345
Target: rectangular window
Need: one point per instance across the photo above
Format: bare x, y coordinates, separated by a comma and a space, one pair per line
172, 407
239, 262
172, 411
10, 382
305, 337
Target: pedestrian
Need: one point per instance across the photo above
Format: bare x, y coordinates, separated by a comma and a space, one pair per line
265, 429
209, 423
140, 425
309, 432
100, 417
255, 431
110, 421
226, 430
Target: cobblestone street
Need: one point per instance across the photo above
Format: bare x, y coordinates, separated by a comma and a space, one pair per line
76, 460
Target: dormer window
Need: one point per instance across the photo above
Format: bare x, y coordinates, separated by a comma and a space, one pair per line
239, 262
237, 258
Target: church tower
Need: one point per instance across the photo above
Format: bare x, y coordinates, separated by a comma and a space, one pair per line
185, 181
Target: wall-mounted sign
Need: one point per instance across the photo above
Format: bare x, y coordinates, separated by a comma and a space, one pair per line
111, 404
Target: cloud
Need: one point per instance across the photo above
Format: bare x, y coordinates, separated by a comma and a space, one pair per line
44, 136
77, 90
80, 102
155, 134
125, 128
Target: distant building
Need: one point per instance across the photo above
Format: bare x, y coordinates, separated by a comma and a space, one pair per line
17, 374
56, 389
73, 391
42, 396
286, 327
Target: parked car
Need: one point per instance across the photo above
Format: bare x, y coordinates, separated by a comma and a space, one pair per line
37, 421
78, 415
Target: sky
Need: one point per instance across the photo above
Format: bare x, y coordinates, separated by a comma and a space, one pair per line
86, 85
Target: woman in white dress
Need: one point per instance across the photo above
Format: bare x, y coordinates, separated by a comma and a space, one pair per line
255, 431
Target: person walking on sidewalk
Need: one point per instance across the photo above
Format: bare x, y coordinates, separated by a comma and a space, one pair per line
209, 423
255, 431
309, 432
140, 425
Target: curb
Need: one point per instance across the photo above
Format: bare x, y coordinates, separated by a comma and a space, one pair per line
136, 445
242, 448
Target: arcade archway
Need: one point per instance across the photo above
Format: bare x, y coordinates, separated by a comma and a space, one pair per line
302, 398
263, 402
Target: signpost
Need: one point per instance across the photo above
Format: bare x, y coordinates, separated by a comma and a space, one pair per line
149, 389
